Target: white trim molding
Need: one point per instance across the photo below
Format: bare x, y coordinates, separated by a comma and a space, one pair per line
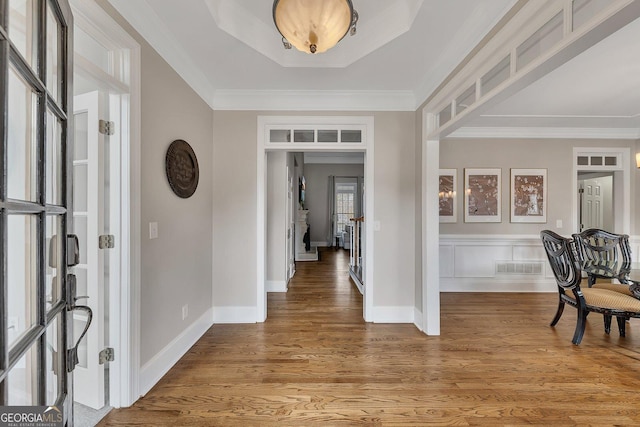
545, 132
394, 314
622, 187
417, 318
314, 100
276, 286
165, 359
225, 314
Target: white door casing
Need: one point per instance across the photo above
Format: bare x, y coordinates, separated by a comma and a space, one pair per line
366, 125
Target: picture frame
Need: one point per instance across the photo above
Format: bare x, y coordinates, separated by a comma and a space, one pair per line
529, 195
482, 195
447, 200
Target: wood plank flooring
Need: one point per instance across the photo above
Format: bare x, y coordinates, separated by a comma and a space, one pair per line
314, 362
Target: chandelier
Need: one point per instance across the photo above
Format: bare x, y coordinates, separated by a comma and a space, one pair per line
314, 26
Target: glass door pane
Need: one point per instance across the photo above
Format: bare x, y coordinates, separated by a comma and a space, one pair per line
54, 160
22, 276
23, 380
22, 153
53, 54
54, 370
23, 28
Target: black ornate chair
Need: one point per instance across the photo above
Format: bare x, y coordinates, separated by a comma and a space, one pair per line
602, 247
568, 274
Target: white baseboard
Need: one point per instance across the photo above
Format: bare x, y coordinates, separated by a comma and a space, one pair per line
161, 363
276, 286
393, 314
235, 314
480, 284
357, 281
417, 318
321, 244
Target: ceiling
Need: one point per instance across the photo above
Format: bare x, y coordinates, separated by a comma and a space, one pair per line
230, 53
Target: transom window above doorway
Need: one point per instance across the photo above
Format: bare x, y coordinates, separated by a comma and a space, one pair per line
307, 135
598, 160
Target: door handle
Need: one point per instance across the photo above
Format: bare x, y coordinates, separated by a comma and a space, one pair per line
72, 353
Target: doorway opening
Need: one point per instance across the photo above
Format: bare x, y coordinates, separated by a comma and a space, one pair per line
602, 183
313, 135
595, 195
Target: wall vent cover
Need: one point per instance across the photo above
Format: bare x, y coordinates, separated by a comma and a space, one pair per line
520, 267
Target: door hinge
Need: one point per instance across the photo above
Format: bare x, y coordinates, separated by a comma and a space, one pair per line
106, 127
106, 355
107, 241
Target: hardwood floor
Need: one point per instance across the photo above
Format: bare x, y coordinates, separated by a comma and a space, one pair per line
314, 362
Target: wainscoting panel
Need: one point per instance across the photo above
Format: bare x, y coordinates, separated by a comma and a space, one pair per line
634, 242
479, 260
500, 263
447, 268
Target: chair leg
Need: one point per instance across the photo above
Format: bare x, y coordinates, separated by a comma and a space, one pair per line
607, 323
621, 325
558, 313
580, 325
591, 280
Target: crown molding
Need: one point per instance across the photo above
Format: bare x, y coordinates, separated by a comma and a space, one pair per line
144, 19
313, 100
546, 132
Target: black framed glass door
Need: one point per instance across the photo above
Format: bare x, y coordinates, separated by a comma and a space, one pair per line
35, 199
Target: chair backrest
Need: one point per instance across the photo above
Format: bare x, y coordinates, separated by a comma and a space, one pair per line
561, 256
602, 246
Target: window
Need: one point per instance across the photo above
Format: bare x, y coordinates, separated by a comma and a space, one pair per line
345, 204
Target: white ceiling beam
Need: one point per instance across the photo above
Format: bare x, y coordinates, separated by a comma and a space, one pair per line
617, 15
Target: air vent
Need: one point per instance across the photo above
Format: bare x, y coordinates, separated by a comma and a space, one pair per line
520, 268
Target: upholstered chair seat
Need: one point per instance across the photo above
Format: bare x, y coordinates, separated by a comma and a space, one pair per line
616, 287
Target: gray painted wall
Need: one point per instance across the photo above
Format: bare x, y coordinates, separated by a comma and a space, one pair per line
394, 254
176, 267
234, 211
317, 199
556, 155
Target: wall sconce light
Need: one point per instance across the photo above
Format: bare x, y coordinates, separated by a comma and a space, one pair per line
314, 26
638, 160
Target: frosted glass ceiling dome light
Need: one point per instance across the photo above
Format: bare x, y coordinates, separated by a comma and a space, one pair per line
314, 26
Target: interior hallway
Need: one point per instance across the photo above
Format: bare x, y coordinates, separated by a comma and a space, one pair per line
316, 362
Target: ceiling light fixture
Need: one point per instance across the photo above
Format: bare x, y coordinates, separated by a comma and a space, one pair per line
314, 26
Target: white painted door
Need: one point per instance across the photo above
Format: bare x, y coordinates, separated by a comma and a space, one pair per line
592, 204
88, 218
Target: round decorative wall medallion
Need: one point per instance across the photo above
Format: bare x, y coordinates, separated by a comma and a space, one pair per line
181, 166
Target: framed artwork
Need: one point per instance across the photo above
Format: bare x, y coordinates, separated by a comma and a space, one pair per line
529, 195
482, 201
447, 184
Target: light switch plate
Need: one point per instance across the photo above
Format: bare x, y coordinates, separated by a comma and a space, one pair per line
153, 230
559, 223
